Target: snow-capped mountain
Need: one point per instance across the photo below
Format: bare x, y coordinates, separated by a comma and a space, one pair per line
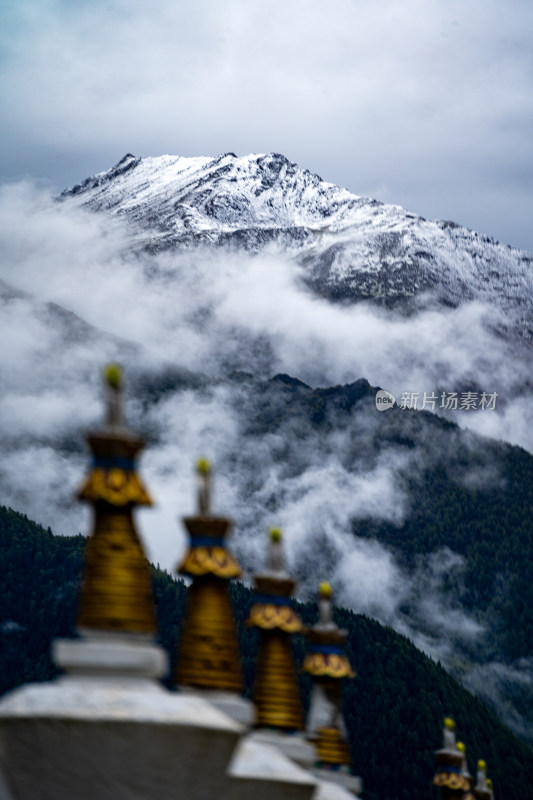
350, 247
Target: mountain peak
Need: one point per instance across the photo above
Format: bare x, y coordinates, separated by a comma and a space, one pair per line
351, 248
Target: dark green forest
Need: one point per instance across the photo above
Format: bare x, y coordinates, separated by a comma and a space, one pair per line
394, 708
468, 493
491, 529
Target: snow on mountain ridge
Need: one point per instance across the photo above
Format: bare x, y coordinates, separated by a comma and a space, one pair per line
303, 199
351, 247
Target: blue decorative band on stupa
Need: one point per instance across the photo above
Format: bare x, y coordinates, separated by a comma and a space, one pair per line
114, 462
327, 649
207, 541
272, 599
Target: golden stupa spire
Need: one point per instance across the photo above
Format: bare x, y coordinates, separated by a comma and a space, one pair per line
467, 778
328, 664
116, 592
483, 787
451, 775
208, 656
276, 691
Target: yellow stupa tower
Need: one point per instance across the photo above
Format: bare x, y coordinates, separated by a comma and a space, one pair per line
328, 664
208, 656
467, 777
276, 692
116, 592
451, 775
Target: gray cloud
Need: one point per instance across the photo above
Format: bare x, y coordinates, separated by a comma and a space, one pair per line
423, 104
508, 687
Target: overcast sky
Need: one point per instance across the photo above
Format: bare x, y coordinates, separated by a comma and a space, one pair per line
424, 103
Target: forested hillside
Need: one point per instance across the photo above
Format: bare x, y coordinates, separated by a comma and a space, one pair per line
394, 707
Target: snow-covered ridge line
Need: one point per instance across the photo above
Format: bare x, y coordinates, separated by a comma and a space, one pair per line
351, 247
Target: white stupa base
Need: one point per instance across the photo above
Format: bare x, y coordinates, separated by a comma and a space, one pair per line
84, 737
101, 654
346, 785
108, 729
235, 706
262, 771
5, 794
293, 745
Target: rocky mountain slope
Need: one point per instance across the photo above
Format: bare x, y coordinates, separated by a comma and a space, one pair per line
350, 248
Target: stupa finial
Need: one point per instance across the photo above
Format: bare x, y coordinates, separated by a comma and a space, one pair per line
325, 607
448, 734
114, 390
462, 749
483, 787
275, 557
203, 471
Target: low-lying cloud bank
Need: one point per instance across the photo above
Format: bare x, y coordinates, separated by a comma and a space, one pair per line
208, 315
